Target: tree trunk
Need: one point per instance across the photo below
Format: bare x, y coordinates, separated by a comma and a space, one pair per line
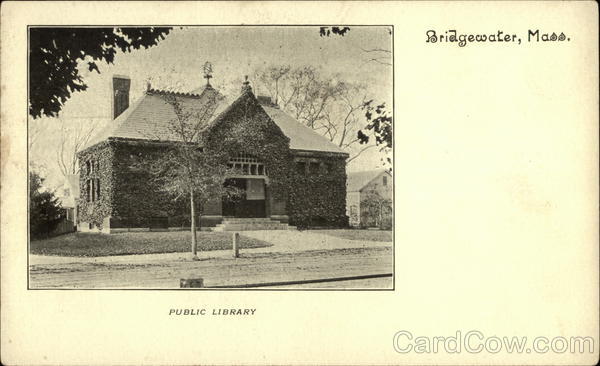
193, 226
200, 218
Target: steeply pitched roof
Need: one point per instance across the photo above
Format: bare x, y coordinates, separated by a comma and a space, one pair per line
150, 116
301, 137
358, 180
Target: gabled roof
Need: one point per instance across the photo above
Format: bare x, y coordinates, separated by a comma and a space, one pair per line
301, 137
150, 116
358, 180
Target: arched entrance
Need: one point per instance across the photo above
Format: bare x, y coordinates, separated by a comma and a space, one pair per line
251, 179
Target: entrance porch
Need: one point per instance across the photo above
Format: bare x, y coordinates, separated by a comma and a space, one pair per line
251, 202
256, 200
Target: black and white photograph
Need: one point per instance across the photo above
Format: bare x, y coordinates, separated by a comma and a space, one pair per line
299, 183
248, 157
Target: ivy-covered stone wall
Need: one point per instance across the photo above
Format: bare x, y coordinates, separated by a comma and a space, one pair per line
313, 197
128, 195
246, 128
101, 157
137, 199
317, 197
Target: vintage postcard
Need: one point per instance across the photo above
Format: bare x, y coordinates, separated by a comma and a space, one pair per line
300, 183
250, 169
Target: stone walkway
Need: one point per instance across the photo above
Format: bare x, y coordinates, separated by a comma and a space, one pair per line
283, 242
297, 241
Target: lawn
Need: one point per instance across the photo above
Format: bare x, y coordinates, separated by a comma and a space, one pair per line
361, 235
95, 245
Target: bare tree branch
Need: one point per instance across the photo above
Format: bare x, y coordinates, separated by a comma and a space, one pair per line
359, 152
71, 140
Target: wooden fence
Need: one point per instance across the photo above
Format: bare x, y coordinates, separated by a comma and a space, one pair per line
64, 226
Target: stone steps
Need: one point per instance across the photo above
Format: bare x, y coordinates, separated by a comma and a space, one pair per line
257, 220
249, 224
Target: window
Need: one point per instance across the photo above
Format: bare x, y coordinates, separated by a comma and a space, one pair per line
244, 158
88, 190
328, 168
92, 166
93, 190
313, 168
385, 180
245, 164
97, 189
301, 167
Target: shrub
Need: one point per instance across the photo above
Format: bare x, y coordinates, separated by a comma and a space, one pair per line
44, 209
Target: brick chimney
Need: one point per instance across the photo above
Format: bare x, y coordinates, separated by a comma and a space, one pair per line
120, 92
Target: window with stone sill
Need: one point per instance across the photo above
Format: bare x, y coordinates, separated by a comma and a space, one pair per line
88, 190
92, 190
97, 186
309, 167
301, 167
313, 167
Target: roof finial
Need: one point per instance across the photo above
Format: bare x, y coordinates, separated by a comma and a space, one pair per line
208, 72
246, 84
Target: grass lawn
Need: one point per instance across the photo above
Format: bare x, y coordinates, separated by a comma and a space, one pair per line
95, 245
356, 234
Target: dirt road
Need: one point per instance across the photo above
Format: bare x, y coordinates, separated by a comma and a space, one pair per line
250, 268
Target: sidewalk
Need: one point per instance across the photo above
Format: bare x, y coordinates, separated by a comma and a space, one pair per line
283, 241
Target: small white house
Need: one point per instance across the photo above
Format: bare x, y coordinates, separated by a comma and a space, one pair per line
368, 197
70, 196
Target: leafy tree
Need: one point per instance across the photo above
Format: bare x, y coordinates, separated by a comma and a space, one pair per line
44, 209
380, 123
327, 31
55, 54
188, 169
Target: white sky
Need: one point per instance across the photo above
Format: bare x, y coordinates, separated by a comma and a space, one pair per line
177, 61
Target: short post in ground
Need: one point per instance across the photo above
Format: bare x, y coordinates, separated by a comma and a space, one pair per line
236, 242
191, 282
